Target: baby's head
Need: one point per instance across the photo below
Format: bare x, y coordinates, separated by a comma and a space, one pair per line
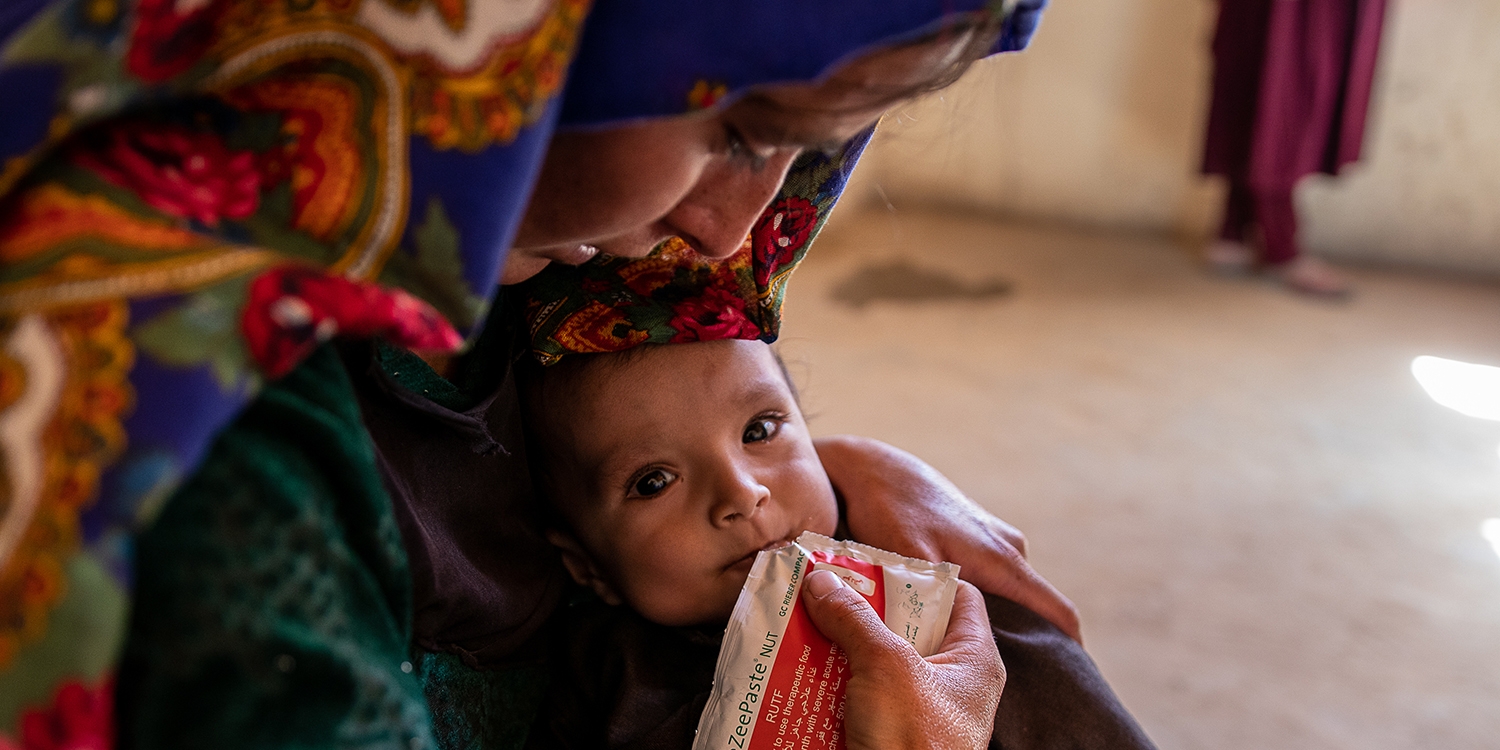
670, 467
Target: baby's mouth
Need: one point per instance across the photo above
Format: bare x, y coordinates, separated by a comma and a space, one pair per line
777, 543
749, 557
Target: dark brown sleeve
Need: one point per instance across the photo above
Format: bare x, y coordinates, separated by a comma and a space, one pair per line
1055, 698
623, 683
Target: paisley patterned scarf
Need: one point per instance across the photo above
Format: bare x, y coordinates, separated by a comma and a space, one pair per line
194, 194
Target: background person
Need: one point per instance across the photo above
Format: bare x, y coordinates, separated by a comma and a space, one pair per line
1291, 91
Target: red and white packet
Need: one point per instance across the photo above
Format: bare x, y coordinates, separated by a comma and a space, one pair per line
779, 682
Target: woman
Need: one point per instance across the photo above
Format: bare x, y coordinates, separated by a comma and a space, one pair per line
147, 225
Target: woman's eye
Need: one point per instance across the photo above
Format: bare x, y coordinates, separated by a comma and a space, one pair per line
652, 483
739, 148
760, 429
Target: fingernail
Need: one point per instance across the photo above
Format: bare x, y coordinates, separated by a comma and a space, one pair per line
821, 583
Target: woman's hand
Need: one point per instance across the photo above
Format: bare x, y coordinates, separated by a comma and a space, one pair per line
896, 698
895, 501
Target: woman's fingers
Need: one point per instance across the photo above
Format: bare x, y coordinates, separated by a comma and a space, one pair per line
897, 699
1002, 571
895, 501
969, 639
968, 672
1010, 534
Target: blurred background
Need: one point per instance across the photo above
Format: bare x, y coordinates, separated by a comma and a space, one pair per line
1277, 536
1101, 124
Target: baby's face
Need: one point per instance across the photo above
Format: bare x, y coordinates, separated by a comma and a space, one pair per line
675, 468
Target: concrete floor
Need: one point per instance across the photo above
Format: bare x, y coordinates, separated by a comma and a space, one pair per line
1271, 531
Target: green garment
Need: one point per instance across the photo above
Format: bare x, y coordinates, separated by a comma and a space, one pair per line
273, 600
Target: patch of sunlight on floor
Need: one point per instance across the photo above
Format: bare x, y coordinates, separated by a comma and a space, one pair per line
1490, 530
1464, 387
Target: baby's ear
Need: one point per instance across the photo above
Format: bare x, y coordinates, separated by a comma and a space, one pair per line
581, 566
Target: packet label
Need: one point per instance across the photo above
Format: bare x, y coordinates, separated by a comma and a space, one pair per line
779, 683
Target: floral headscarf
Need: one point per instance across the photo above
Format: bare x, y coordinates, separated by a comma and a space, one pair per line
610, 304
675, 295
194, 194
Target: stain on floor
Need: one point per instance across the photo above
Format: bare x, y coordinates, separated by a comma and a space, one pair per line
901, 281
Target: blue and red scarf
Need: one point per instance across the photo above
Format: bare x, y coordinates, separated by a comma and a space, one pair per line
194, 194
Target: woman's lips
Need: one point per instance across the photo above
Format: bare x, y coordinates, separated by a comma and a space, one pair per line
572, 255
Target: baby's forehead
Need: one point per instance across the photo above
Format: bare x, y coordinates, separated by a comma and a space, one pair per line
673, 392
718, 373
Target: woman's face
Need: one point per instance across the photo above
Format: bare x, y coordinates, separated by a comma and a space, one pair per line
703, 178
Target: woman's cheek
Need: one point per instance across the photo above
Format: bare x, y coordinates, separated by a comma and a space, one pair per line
595, 186
641, 181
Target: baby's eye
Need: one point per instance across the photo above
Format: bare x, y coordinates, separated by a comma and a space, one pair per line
652, 483
759, 430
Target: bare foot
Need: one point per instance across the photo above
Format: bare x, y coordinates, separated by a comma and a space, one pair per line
1229, 257
1311, 276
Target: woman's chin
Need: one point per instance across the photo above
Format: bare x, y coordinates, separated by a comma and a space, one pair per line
521, 265
519, 268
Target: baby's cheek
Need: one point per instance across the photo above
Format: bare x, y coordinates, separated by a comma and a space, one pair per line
809, 496
672, 573
671, 598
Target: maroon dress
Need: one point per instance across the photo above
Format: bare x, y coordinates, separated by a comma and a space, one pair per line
1292, 82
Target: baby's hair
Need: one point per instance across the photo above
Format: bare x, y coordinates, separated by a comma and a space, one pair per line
537, 386
537, 383
791, 385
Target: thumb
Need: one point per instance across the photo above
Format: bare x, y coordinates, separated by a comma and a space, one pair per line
969, 640
844, 616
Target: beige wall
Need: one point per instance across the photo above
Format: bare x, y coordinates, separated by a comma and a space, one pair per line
1429, 189
1100, 123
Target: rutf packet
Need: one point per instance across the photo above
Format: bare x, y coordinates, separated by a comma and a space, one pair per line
780, 683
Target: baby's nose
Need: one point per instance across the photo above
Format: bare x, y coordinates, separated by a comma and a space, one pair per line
743, 501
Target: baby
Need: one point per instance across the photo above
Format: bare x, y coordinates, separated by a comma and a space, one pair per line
668, 469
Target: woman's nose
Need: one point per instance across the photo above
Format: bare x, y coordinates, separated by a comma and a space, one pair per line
727, 201
738, 497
